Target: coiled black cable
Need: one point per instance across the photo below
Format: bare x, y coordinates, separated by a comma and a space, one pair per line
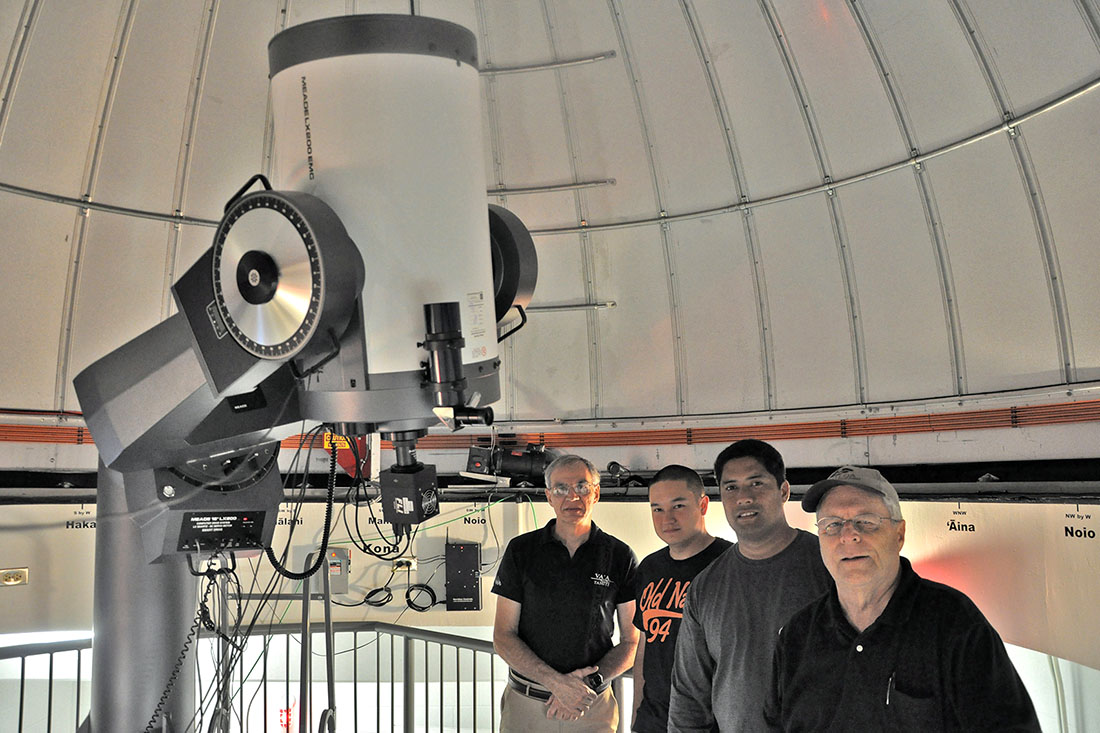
419, 588
377, 597
178, 666
324, 532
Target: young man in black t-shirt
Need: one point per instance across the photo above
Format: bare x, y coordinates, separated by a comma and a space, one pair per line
679, 505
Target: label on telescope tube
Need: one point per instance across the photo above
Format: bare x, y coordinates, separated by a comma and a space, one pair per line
475, 323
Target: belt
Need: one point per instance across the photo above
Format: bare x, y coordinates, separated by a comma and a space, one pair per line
536, 691
527, 690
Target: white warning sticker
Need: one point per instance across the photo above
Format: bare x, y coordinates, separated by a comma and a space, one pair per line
475, 323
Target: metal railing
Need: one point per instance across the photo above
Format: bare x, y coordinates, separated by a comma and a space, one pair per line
45, 686
387, 678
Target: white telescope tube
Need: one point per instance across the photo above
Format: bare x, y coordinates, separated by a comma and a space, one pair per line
379, 116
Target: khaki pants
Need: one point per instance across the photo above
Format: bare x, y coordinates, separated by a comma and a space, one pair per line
522, 714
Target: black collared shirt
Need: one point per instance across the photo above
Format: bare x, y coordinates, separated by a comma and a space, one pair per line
568, 603
930, 662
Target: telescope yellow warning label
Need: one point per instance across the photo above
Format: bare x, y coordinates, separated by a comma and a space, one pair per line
341, 442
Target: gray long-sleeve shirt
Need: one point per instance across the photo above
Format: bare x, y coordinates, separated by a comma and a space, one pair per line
733, 614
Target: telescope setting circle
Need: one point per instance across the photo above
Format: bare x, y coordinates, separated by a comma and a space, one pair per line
267, 275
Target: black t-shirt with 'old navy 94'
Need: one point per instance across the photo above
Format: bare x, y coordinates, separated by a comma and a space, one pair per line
662, 584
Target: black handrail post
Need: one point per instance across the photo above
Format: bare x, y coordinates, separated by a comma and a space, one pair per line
409, 689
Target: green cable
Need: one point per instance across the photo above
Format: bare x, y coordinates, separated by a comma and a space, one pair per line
469, 513
534, 518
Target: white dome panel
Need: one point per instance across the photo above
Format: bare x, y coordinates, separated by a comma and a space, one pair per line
554, 346
11, 21
609, 143
1040, 50
503, 408
462, 12
512, 34
136, 162
813, 352
51, 115
719, 316
121, 287
1066, 147
562, 271
940, 85
769, 135
552, 355
37, 240
297, 13
636, 348
190, 243
581, 28
228, 138
1003, 294
905, 329
682, 124
607, 134
845, 96
553, 208
529, 117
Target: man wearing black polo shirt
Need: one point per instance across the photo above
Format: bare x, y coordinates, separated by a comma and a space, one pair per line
678, 504
559, 590
887, 649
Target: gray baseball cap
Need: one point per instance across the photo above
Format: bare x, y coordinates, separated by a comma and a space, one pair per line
860, 477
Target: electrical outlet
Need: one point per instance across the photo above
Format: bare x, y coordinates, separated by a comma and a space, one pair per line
407, 564
14, 576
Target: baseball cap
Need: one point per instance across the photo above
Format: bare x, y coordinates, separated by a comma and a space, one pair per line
860, 477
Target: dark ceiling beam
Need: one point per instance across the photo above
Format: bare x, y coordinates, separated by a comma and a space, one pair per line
1053, 481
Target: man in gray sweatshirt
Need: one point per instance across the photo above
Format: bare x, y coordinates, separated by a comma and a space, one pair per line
735, 607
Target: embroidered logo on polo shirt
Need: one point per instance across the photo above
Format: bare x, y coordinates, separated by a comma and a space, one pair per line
600, 579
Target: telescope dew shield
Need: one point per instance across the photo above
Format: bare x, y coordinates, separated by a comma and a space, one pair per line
380, 117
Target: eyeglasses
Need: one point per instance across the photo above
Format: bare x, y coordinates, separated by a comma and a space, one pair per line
582, 488
863, 524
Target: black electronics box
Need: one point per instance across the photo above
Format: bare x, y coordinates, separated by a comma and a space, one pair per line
408, 497
463, 583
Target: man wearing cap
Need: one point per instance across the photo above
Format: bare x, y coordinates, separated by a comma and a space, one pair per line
887, 650
735, 607
559, 590
678, 505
